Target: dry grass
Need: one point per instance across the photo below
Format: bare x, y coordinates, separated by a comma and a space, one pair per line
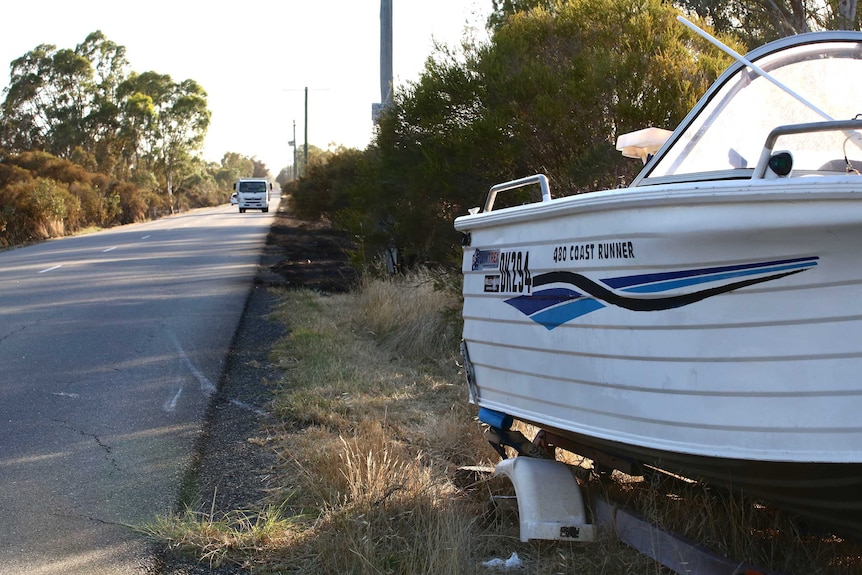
374, 426
736, 526
242, 538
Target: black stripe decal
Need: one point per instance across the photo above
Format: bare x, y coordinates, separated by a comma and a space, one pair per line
646, 304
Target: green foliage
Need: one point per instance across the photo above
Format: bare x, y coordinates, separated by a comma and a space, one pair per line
84, 105
42, 196
49, 166
750, 22
51, 200
568, 96
233, 167
285, 175
329, 186
46, 100
755, 22
504, 9
260, 170
201, 189
558, 82
315, 154
92, 208
36, 209
12, 174
221, 178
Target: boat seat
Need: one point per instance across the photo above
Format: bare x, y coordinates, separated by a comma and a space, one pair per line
840, 166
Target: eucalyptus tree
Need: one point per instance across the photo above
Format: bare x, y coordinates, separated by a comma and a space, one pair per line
571, 78
233, 166
163, 124
181, 128
504, 9
752, 22
260, 169
755, 22
47, 100
85, 104
110, 68
142, 97
135, 116
63, 100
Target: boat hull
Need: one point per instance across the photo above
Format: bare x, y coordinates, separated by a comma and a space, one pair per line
713, 329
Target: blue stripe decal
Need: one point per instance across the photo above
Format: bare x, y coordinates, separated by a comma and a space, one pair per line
554, 306
557, 316
669, 285
627, 281
537, 301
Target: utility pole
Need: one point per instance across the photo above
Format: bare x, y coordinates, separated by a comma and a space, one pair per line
305, 128
385, 59
385, 52
294, 172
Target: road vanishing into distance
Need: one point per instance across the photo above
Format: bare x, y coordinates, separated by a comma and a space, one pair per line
111, 345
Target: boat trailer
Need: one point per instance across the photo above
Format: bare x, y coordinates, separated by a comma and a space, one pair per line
551, 507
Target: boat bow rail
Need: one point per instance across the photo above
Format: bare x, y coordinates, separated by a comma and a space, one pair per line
539, 179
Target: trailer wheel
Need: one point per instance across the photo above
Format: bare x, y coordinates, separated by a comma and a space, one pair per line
242, 210
265, 210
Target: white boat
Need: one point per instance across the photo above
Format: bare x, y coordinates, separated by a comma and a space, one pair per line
707, 319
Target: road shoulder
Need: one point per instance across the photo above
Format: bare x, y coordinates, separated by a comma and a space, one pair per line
232, 468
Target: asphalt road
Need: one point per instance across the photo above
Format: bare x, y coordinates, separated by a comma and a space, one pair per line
111, 345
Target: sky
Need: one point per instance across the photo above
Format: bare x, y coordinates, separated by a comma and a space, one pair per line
254, 58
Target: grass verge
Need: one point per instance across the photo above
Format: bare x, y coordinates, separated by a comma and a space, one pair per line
372, 430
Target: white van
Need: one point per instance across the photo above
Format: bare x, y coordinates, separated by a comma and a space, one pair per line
253, 194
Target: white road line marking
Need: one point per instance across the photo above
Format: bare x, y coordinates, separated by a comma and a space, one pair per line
109, 249
145, 237
207, 386
51, 268
171, 404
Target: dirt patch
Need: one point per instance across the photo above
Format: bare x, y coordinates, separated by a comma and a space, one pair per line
233, 469
310, 255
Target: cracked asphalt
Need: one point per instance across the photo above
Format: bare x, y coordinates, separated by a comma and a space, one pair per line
112, 345
106, 448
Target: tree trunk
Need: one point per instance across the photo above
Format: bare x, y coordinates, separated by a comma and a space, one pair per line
846, 14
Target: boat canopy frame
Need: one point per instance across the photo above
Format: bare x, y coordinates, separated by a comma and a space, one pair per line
661, 167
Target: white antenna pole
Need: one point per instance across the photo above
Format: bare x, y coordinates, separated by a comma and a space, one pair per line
763, 73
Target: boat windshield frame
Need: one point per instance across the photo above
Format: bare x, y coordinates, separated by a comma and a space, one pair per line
676, 160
